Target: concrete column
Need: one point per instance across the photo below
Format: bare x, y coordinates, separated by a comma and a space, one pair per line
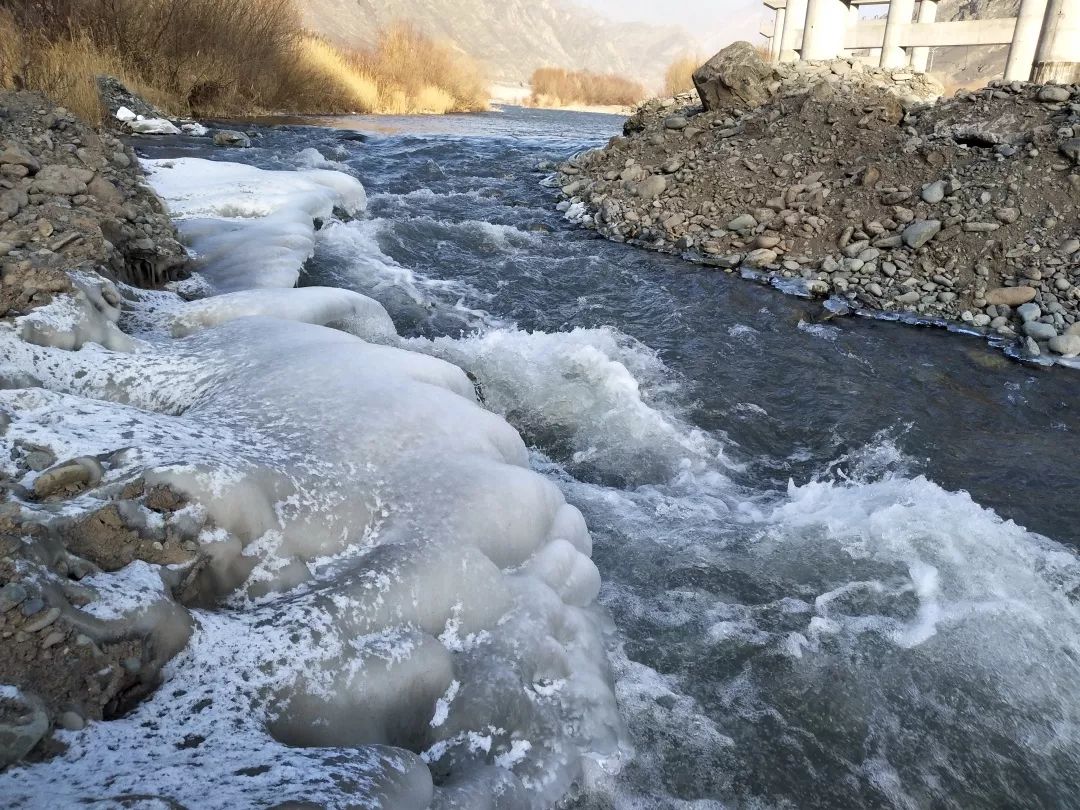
920, 57
892, 54
849, 25
1025, 40
794, 20
777, 34
826, 23
1057, 57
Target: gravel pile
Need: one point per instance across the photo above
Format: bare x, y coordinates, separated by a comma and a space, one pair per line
837, 180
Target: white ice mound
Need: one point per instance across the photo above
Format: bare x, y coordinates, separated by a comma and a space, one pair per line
251, 227
325, 306
406, 615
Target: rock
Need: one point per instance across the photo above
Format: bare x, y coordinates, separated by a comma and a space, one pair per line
910, 297
745, 222
1006, 215
153, 126
671, 166
1039, 331
1054, 94
40, 623
28, 724
1071, 149
760, 257
651, 187
12, 595
61, 180
71, 721
1066, 345
736, 76
919, 233
16, 155
105, 192
675, 122
933, 193
231, 138
123, 115
1028, 312
1070, 246
81, 471
1010, 296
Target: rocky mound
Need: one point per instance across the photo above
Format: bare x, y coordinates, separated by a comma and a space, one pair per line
71, 199
835, 180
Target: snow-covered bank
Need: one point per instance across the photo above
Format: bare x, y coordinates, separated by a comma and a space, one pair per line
393, 610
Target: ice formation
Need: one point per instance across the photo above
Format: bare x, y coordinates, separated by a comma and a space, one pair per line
401, 609
251, 227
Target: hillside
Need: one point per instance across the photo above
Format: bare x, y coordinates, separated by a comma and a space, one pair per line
512, 37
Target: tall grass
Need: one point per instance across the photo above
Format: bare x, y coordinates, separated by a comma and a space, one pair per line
679, 77
224, 57
559, 87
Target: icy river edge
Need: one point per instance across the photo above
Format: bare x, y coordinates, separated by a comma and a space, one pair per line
399, 600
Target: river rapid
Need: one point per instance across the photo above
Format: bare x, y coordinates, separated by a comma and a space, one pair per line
838, 557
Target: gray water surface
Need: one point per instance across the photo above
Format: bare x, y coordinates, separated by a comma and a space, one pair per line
838, 557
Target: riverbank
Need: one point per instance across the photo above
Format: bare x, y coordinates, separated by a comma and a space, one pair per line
335, 582
831, 180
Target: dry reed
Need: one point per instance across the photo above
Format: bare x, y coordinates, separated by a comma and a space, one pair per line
209, 57
558, 87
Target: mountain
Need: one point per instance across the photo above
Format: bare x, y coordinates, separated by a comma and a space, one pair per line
513, 37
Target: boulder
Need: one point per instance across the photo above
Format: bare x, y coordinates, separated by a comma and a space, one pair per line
919, 233
1066, 345
230, 137
1010, 296
736, 76
15, 155
652, 186
61, 180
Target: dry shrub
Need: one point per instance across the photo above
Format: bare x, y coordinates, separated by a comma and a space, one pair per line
559, 87
225, 57
11, 49
433, 76
679, 77
325, 80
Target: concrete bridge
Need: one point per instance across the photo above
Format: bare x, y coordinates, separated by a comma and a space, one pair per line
1043, 39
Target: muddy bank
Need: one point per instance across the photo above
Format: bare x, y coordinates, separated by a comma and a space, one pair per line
836, 180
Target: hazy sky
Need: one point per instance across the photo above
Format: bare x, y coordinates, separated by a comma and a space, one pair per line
718, 21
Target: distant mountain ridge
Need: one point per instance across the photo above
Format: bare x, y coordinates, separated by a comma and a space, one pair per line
513, 37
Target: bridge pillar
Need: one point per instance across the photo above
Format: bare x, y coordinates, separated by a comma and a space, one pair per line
1057, 56
1025, 40
779, 16
794, 21
826, 24
892, 53
920, 57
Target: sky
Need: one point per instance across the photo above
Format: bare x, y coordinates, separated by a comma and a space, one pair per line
719, 22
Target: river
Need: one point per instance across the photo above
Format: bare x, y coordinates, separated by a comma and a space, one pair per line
837, 557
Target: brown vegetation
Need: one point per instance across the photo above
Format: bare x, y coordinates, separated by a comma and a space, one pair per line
679, 77
211, 57
558, 87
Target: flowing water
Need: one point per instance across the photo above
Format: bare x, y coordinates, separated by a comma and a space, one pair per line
838, 558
